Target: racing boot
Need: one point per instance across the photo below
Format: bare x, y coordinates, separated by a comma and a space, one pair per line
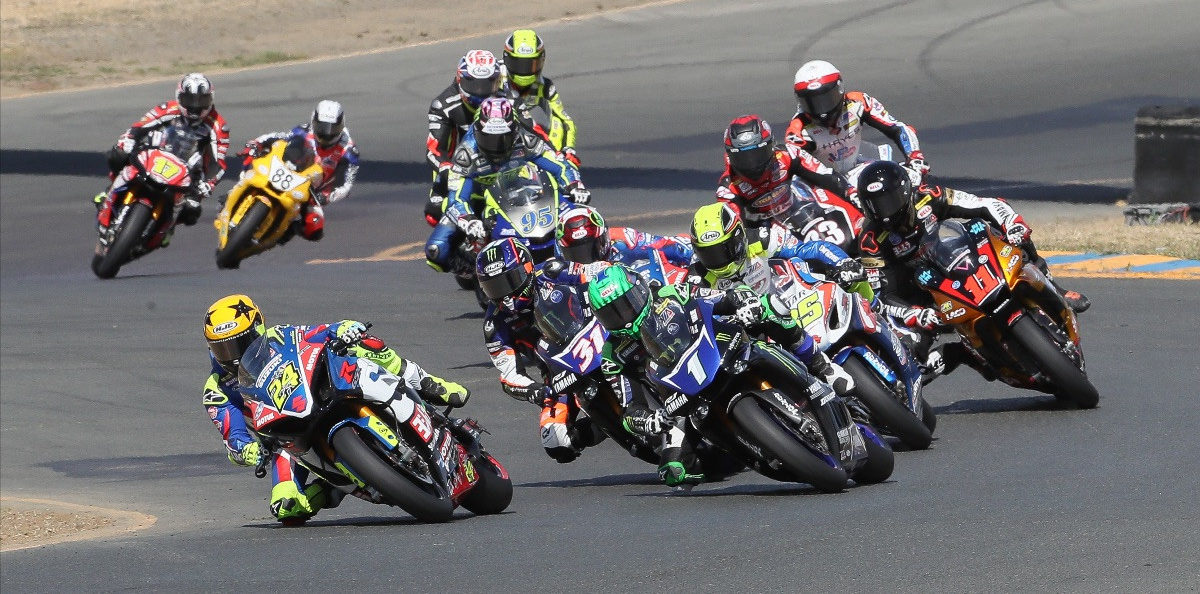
678, 466
98, 199
289, 505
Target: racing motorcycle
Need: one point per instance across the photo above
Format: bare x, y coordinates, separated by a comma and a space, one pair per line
755, 400
309, 397
1006, 312
572, 345
165, 164
887, 378
259, 210
827, 217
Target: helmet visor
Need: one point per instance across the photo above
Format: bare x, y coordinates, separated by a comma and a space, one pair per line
719, 257
751, 162
622, 312
327, 133
229, 351
504, 284
195, 104
496, 147
479, 88
524, 66
822, 101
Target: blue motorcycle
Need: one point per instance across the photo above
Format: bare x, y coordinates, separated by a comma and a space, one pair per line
755, 400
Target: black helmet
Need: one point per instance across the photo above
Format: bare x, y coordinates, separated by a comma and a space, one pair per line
887, 195
504, 269
749, 146
496, 129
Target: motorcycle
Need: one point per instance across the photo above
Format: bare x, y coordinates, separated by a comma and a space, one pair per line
324, 407
755, 400
259, 210
166, 164
1006, 312
827, 217
887, 378
572, 345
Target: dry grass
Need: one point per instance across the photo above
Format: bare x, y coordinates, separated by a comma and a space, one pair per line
1113, 236
57, 44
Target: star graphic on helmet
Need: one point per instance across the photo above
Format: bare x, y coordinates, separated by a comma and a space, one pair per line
242, 309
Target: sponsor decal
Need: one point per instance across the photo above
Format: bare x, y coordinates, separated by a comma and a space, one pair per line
946, 305
925, 212
1005, 251
225, 327
496, 126
675, 402
579, 233
708, 236
958, 312
214, 398
874, 186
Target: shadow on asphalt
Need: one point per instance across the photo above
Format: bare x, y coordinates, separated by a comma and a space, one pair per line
998, 405
612, 480
145, 467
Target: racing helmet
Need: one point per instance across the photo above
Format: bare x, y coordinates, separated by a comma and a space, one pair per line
478, 77
582, 235
496, 129
749, 146
504, 269
230, 325
195, 96
887, 194
524, 56
328, 122
620, 299
819, 91
719, 239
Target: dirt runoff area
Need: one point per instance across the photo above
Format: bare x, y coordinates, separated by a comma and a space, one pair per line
47, 45
26, 523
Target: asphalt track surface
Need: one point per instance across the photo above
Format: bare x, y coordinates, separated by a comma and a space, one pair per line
101, 399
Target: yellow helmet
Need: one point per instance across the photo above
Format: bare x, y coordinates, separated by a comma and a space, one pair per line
719, 239
524, 55
230, 325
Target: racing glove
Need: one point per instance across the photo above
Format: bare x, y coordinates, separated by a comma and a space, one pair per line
850, 271
917, 164
249, 455
925, 318
644, 422
578, 193
533, 394
349, 332
473, 227
1017, 232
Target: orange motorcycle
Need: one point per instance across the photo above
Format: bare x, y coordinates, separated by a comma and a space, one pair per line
1006, 312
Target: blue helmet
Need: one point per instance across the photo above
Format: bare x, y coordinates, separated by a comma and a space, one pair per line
504, 269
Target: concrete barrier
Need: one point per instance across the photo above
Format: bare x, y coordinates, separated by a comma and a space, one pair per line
1166, 154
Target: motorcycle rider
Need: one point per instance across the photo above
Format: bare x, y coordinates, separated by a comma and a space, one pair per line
621, 300
496, 141
758, 174
509, 279
231, 325
900, 215
327, 136
450, 116
583, 239
193, 108
727, 255
524, 57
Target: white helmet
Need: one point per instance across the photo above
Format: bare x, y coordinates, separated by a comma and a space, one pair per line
195, 96
328, 121
819, 91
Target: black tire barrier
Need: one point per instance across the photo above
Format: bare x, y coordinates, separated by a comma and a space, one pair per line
1166, 155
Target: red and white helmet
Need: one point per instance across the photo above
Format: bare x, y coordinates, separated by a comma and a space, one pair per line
195, 96
819, 91
582, 235
478, 77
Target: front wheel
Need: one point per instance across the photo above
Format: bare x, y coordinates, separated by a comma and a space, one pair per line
880, 459
394, 486
493, 492
125, 240
887, 413
1070, 382
241, 236
762, 427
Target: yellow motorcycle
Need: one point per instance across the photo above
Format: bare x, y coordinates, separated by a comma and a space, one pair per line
259, 210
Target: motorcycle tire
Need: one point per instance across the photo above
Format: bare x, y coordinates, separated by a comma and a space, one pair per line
879, 466
466, 283
1070, 382
887, 413
761, 426
125, 240
395, 487
613, 425
928, 416
240, 237
493, 492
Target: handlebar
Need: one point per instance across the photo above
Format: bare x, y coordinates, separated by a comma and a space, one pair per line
338, 346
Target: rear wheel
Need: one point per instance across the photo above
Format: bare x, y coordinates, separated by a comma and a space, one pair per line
395, 487
887, 413
493, 492
241, 236
1070, 382
761, 426
125, 240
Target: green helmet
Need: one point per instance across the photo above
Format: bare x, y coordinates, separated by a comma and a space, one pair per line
719, 239
524, 56
620, 299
